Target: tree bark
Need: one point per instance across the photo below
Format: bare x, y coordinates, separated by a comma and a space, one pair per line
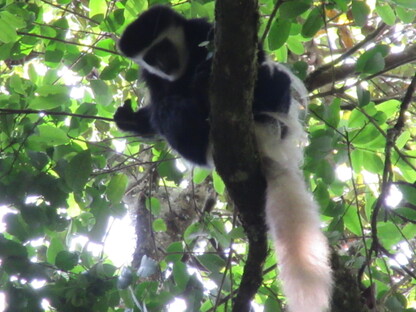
232, 84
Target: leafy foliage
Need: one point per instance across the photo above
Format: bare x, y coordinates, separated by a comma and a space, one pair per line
64, 167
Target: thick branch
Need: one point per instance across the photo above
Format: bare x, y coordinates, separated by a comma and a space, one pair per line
319, 79
235, 154
327, 67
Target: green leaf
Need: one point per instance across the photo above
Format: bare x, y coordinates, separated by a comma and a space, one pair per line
8, 25
409, 4
357, 160
386, 13
107, 44
181, 275
313, 23
374, 64
407, 16
295, 45
357, 119
272, 305
111, 71
300, 69
78, 171
332, 113
390, 107
292, 9
389, 234
325, 171
9, 248
370, 136
320, 146
99, 228
134, 8
352, 221
17, 84
408, 191
360, 12
409, 230
159, 225
13, 20
200, 174
38, 159
6, 50
174, 252
403, 139
51, 136
372, 162
321, 195
66, 260
372, 61
281, 54
55, 246
117, 187
131, 74
153, 204
219, 185
113, 21
195, 289
363, 96
408, 213
53, 57
48, 102
84, 65
169, 170
212, 262
52, 89
101, 91
97, 7
342, 5
16, 226
279, 32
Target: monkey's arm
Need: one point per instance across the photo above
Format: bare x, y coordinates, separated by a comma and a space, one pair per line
137, 122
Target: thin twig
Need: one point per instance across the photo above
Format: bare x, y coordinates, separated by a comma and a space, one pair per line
407, 99
32, 111
270, 21
72, 12
67, 42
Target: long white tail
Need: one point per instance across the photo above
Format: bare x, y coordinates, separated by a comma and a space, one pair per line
302, 249
292, 214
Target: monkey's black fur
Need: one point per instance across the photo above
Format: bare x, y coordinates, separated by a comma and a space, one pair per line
176, 68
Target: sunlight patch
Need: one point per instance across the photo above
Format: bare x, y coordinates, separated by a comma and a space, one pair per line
178, 305
394, 197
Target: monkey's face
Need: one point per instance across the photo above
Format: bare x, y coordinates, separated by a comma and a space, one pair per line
166, 56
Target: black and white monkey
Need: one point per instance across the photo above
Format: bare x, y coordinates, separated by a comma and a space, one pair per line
176, 69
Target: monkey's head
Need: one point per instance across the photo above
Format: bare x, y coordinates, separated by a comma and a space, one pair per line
156, 41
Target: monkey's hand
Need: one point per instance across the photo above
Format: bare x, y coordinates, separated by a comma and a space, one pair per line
137, 122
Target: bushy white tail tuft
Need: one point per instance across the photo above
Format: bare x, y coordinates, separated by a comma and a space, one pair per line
292, 214
302, 249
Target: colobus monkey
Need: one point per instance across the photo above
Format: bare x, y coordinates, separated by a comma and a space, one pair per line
176, 69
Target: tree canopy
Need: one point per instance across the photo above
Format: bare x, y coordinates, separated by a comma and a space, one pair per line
67, 173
